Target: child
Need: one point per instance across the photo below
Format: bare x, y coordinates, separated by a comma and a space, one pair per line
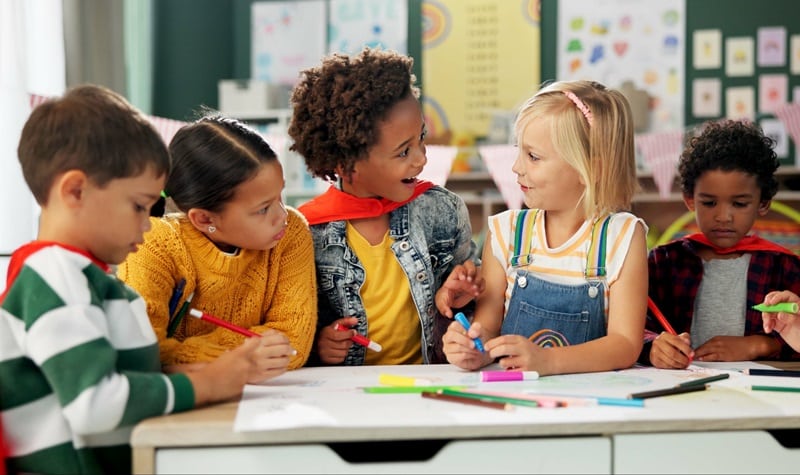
564, 279
384, 241
234, 250
706, 284
78, 356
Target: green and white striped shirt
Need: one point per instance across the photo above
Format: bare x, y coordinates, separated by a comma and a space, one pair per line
79, 366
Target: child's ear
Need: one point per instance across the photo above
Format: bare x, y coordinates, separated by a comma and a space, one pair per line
70, 187
200, 219
763, 207
689, 201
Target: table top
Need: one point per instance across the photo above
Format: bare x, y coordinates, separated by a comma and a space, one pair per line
350, 415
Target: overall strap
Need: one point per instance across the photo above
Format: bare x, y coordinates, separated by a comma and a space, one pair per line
596, 257
523, 237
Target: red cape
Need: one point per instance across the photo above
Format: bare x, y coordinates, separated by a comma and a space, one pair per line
336, 205
748, 243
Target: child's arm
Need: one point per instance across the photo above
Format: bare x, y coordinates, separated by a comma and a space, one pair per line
618, 349
457, 342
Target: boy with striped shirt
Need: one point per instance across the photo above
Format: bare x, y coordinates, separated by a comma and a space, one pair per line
79, 362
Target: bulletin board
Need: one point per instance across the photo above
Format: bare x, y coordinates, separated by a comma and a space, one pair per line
758, 66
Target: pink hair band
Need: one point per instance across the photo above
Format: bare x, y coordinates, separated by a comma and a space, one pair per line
580, 105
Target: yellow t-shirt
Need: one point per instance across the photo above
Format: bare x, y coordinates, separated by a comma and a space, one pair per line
392, 319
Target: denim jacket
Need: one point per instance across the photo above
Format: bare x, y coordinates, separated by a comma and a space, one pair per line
431, 235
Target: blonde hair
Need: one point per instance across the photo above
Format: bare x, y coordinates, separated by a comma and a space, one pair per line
592, 130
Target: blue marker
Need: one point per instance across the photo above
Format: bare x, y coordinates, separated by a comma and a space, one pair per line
462, 319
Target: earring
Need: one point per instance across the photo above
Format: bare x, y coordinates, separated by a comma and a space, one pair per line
212, 229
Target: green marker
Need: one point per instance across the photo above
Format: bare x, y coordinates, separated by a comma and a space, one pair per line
785, 307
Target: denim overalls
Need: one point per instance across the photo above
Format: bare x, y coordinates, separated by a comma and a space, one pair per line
552, 314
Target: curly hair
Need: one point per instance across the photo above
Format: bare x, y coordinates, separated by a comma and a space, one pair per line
730, 145
338, 105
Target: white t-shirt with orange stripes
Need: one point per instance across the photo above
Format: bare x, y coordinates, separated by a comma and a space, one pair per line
565, 264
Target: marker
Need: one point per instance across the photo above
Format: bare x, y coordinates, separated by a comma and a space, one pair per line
360, 339
395, 380
492, 376
668, 391
175, 321
406, 389
783, 389
230, 326
709, 379
772, 372
462, 319
785, 307
468, 400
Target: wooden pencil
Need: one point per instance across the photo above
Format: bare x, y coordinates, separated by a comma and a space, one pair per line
466, 400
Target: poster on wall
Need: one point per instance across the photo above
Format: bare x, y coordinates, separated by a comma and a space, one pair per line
355, 24
627, 41
480, 61
287, 37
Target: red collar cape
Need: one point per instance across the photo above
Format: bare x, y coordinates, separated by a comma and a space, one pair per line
19, 257
336, 205
747, 243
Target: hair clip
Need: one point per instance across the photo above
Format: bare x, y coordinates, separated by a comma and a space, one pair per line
580, 105
164, 194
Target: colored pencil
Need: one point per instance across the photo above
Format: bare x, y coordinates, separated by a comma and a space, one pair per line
772, 372
471, 401
406, 389
784, 389
660, 316
177, 292
710, 379
509, 400
667, 391
176, 320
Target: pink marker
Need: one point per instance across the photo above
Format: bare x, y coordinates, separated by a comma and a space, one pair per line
492, 376
360, 339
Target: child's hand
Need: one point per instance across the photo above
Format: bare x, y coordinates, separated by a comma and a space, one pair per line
462, 285
787, 324
671, 351
516, 352
271, 358
460, 349
333, 343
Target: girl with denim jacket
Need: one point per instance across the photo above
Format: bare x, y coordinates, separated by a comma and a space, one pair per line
385, 242
566, 279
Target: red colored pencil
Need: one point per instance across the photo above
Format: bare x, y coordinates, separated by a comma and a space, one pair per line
222, 323
660, 316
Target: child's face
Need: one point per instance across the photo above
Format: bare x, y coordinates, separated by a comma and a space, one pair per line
726, 204
390, 171
114, 218
547, 181
255, 217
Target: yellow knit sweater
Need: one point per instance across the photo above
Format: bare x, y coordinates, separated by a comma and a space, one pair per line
253, 289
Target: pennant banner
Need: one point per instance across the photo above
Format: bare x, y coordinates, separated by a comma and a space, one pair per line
499, 160
440, 162
789, 114
661, 152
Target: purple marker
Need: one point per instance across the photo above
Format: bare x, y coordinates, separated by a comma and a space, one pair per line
493, 376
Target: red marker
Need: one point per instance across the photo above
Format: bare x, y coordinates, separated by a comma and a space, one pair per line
222, 323
360, 339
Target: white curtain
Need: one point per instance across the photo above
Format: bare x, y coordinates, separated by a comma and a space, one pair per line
31, 61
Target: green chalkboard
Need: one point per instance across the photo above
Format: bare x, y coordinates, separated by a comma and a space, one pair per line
200, 42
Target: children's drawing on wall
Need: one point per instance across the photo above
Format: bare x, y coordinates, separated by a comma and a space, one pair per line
773, 90
739, 59
286, 37
794, 63
706, 100
707, 49
618, 41
772, 46
740, 103
355, 24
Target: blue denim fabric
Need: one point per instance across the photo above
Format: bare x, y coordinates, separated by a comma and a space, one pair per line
431, 235
562, 314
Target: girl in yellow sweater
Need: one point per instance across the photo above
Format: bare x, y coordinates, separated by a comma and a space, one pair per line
234, 250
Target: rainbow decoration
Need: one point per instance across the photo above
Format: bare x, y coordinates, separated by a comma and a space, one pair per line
547, 338
435, 117
436, 23
532, 11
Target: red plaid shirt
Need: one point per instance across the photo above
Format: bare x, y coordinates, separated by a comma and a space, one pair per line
675, 273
